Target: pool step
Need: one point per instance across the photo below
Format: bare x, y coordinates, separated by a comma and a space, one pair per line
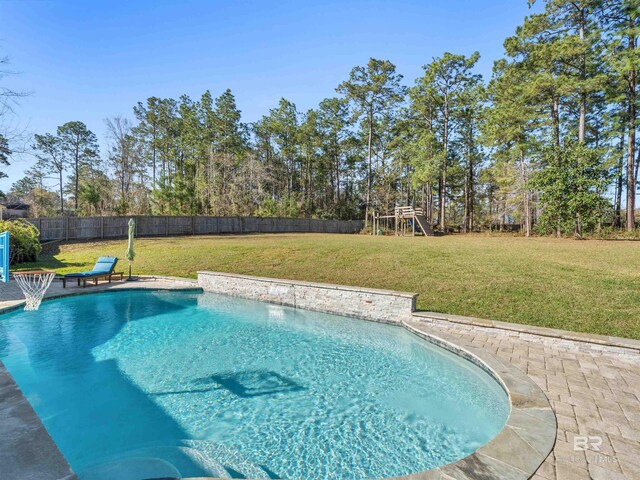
156, 462
191, 458
136, 468
232, 461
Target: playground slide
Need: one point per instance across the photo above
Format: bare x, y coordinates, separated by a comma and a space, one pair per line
424, 225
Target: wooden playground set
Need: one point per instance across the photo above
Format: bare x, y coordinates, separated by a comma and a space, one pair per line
406, 221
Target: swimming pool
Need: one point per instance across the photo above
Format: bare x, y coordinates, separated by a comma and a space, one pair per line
141, 384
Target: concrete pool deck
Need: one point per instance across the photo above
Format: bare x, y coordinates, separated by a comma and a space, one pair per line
593, 388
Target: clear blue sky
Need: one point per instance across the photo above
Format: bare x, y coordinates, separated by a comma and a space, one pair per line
86, 60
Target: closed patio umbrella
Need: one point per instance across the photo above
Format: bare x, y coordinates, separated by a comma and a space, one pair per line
130, 254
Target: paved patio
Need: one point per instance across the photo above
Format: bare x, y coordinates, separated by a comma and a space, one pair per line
594, 389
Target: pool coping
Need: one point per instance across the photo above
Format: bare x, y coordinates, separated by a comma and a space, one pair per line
27, 447
325, 286
528, 435
587, 340
515, 453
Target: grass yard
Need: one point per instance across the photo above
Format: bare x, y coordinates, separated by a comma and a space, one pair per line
588, 286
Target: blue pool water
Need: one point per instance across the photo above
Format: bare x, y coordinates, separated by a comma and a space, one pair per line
135, 385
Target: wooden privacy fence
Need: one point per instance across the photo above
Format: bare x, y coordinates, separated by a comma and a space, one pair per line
84, 228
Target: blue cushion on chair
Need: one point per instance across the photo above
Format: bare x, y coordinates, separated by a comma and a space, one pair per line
103, 266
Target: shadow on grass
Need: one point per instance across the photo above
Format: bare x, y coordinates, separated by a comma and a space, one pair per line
46, 262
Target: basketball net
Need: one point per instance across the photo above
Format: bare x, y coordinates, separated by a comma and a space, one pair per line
33, 285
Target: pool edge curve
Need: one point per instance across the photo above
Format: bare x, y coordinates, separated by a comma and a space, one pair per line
516, 452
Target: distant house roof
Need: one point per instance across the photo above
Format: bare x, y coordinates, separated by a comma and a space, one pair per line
17, 206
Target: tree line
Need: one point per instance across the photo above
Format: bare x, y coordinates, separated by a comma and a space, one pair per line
548, 142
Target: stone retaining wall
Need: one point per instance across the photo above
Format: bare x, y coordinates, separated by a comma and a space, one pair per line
385, 306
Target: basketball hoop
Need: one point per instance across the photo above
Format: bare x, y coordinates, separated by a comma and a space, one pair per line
34, 284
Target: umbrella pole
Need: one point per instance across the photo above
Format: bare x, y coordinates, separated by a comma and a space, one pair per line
130, 279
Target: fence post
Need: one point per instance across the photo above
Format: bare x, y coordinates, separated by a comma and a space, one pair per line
166, 226
193, 225
66, 228
102, 227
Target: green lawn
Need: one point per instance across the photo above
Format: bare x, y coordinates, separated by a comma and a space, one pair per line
589, 286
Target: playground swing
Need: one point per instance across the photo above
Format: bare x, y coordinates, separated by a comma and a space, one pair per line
33, 283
